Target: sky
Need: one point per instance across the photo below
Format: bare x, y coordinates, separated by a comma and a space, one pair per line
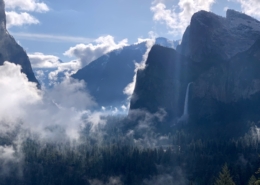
78, 32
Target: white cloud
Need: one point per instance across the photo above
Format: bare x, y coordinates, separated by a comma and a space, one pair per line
86, 53
39, 60
225, 8
27, 5
177, 21
17, 12
23, 105
14, 97
71, 93
129, 89
250, 7
72, 65
7, 152
8, 157
19, 19
66, 69
48, 68
152, 36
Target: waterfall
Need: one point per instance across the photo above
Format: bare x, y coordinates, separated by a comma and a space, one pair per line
185, 115
186, 103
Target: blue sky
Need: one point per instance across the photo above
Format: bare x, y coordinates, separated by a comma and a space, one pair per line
80, 31
91, 19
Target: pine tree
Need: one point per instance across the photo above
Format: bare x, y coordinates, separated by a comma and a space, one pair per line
224, 177
252, 180
257, 182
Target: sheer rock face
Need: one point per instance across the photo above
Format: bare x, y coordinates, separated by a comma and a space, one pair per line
222, 89
221, 61
10, 50
162, 83
229, 87
211, 36
233, 80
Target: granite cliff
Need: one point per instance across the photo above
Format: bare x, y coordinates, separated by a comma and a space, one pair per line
221, 56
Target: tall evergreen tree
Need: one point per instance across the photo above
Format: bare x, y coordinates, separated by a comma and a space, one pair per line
224, 177
252, 180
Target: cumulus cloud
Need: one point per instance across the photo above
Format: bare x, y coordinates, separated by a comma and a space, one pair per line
14, 97
19, 19
17, 12
27, 5
39, 60
250, 7
86, 53
50, 70
178, 18
65, 69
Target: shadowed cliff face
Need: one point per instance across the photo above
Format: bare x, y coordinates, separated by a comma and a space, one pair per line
230, 88
162, 84
10, 50
226, 82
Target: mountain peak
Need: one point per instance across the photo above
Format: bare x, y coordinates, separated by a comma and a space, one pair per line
202, 14
233, 14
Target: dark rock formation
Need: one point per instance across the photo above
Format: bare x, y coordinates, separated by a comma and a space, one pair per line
230, 88
10, 50
162, 83
223, 62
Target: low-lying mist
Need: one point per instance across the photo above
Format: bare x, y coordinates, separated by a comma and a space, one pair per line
62, 120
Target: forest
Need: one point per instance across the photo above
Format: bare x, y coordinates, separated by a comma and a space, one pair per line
118, 159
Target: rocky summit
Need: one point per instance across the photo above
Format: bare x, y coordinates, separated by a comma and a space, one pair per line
211, 36
11, 51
